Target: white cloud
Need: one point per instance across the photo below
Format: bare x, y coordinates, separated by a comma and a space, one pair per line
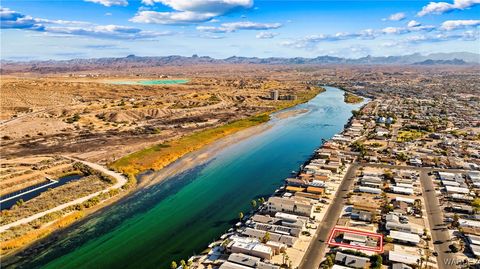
458, 24
312, 40
441, 37
189, 11
442, 7
413, 23
109, 3
266, 35
368, 34
13, 20
416, 26
397, 16
234, 26
413, 32
390, 44
187, 17
394, 30
412, 26
203, 6
107, 32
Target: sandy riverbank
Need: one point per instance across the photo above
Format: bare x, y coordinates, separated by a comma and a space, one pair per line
201, 156
290, 113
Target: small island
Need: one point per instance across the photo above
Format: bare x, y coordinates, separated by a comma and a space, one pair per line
351, 98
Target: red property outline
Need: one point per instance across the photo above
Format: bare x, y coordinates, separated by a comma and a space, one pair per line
331, 242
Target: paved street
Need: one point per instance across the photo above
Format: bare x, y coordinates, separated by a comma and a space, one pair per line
440, 235
316, 250
438, 229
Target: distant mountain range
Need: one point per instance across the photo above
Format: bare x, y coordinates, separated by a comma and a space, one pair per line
442, 62
456, 58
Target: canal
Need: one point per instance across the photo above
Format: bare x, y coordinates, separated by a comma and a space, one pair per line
7, 201
181, 216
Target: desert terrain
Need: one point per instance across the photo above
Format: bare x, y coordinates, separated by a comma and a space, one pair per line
91, 118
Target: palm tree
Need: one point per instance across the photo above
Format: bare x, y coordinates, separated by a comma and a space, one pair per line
173, 265
253, 203
266, 237
427, 256
240, 215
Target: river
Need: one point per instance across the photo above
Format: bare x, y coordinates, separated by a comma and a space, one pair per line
181, 216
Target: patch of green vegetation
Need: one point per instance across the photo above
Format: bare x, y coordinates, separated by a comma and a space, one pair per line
302, 97
160, 155
351, 98
409, 135
476, 204
73, 119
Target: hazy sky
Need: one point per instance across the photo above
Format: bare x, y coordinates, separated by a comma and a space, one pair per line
55, 29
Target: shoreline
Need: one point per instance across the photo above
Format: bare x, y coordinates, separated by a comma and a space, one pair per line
182, 164
248, 215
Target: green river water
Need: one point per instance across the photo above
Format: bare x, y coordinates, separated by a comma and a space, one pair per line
181, 216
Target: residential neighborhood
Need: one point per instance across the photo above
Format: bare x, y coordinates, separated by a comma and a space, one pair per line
398, 188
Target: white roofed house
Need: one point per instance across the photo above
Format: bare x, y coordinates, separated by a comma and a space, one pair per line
461, 208
368, 190
474, 244
249, 246
402, 190
415, 161
402, 257
404, 185
452, 189
474, 176
351, 261
290, 220
359, 214
405, 200
403, 227
336, 266
450, 183
403, 180
372, 182
469, 223
241, 261
355, 237
404, 237
460, 197
275, 237
450, 176
231, 265
295, 205
369, 178
278, 229
341, 139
